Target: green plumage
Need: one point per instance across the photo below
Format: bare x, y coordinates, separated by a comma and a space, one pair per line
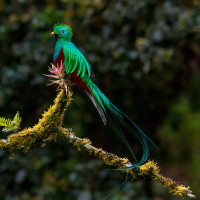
79, 70
74, 60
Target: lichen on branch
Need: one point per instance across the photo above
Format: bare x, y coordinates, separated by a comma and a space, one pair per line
50, 126
149, 169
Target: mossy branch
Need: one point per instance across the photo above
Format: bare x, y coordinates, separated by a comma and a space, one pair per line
47, 127
50, 126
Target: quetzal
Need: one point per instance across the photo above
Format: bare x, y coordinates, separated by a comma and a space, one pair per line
79, 71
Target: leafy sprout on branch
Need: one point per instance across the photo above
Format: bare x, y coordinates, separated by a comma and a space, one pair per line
11, 125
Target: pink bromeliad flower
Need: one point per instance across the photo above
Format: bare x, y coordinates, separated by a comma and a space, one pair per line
57, 72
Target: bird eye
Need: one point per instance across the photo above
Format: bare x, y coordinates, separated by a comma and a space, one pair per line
63, 31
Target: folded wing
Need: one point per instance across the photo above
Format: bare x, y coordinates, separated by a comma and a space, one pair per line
75, 60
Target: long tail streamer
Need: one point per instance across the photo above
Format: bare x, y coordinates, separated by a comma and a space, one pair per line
118, 119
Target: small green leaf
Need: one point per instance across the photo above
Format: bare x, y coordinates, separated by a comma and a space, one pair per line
5, 122
11, 125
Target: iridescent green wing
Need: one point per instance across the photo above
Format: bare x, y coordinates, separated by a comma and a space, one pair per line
74, 60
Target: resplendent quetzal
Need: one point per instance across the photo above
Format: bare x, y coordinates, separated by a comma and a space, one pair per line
79, 70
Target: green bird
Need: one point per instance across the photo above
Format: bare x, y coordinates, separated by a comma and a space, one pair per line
79, 71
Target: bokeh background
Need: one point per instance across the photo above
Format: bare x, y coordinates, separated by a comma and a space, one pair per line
146, 58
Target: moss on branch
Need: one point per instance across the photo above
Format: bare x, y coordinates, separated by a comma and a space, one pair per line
148, 169
50, 126
47, 126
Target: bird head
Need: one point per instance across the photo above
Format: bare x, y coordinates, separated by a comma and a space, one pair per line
62, 31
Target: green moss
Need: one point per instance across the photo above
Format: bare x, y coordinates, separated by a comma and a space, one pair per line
45, 130
53, 118
151, 169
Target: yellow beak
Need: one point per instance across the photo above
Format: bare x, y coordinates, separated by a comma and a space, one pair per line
53, 33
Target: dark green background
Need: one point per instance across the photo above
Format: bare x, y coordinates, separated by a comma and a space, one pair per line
146, 58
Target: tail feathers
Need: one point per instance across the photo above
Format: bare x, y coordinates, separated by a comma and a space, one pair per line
136, 127
115, 125
118, 119
119, 187
123, 120
99, 108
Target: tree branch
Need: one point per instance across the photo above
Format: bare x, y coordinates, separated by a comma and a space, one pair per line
50, 126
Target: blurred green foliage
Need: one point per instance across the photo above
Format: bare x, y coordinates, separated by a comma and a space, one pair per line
146, 58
